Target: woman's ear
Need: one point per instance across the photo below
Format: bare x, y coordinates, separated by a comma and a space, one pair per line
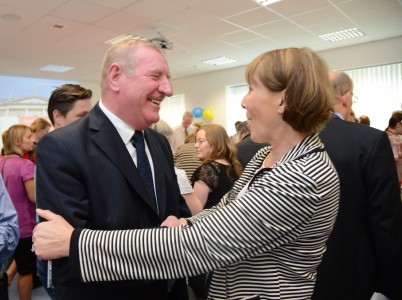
282, 104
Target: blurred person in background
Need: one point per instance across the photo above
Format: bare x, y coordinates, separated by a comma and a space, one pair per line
9, 236
364, 120
185, 157
364, 250
18, 175
246, 147
182, 131
39, 128
67, 103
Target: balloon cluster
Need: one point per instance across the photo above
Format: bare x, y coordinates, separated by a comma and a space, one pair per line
206, 113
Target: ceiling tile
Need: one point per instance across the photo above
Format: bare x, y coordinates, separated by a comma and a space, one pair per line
122, 21
291, 8
317, 16
238, 37
253, 17
78, 11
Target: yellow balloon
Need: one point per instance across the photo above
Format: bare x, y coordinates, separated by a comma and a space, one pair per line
207, 114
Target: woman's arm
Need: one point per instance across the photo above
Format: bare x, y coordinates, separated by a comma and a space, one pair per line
193, 203
196, 200
30, 189
201, 192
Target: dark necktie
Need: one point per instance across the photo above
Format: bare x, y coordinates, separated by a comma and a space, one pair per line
185, 132
143, 165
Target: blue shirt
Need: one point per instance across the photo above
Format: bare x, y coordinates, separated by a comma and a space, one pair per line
9, 233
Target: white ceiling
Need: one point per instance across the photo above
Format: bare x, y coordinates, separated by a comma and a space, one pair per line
199, 30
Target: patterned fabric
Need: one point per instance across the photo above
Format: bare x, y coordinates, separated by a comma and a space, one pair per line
218, 177
182, 180
264, 238
186, 159
143, 165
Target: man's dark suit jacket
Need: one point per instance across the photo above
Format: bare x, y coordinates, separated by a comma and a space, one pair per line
85, 173
246, 149
364, 251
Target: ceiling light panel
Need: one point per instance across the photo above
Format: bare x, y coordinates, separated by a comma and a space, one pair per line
123, 37
219, 61
342, 35
56, 68
266, 2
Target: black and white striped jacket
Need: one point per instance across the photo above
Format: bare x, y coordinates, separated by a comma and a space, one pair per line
266, 237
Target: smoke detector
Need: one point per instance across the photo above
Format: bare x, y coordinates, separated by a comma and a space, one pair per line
162, 42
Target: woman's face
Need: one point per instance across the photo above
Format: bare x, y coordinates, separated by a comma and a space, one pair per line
264, 110
40, 133
27, 143
202, 147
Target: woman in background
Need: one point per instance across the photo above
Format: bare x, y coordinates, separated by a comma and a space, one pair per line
18, 175
219, 170
39, 128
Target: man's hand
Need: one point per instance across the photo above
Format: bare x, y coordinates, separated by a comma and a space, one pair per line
172, 221
51, 239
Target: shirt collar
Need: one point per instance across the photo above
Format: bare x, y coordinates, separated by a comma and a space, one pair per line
125, 131
338, 115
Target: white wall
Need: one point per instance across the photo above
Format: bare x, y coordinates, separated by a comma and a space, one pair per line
95, 88
208, 90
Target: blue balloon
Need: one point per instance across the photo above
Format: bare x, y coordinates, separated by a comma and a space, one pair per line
197, 112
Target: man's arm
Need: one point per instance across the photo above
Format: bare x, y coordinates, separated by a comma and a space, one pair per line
9, 233
384, 215
59, 180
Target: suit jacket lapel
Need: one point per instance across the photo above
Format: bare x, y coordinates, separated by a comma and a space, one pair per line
109, 142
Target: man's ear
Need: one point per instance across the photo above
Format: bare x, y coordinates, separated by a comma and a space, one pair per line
57, 116
344, 100
114, 75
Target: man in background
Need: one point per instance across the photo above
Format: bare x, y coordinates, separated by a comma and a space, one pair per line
364, 120
9, 235
181, 132
67, 104
246, 147
364, 250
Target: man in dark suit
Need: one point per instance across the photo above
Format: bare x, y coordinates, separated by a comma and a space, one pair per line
87, 171
364, 250
246, 147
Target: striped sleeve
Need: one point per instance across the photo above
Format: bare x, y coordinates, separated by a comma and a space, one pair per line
278, 209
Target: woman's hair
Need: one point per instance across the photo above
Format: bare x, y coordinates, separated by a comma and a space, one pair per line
221, 147
304, 77
38, 124
395, 119
123, 53
13, 135
163, 128
64, 97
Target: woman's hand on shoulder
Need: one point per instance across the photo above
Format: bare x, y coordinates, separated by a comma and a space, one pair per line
172, 221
